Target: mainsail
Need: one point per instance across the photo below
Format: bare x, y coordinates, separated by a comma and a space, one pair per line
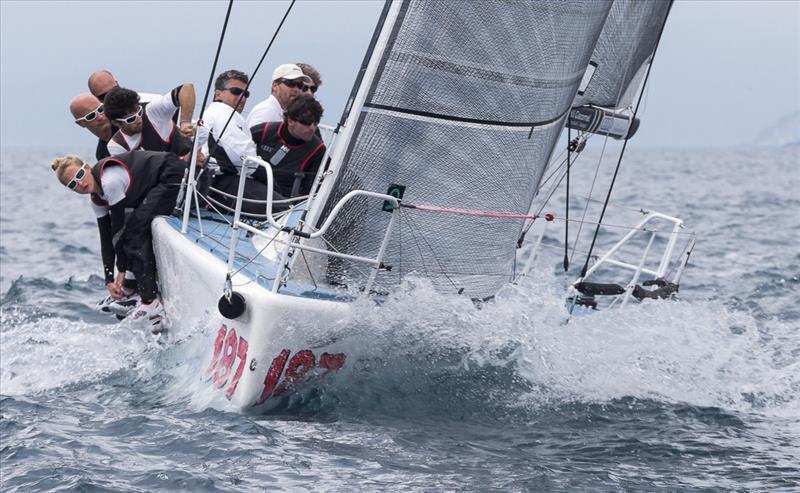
463, 105
620, 59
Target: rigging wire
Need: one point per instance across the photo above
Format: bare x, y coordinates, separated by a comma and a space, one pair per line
552, 191
252, 259
412, 227
216, 60
622, 152
308, 268
579, 144
252, 77
554, 169
597, 170
589, 198
514, 215
566, 211
195, 150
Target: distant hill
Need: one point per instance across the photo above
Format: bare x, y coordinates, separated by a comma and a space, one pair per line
783, 133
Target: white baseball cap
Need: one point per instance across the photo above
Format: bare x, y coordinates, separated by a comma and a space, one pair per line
289, 71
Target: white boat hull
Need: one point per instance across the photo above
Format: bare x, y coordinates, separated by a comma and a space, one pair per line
280, 342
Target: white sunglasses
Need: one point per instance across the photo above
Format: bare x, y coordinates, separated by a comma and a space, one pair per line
88, 117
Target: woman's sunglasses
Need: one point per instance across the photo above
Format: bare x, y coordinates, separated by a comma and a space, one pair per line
77, 178
130, 120
237, 91
89, 117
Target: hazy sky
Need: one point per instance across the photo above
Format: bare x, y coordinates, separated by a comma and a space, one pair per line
724, 70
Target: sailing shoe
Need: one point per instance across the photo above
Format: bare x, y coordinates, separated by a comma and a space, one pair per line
150, 314
121, 307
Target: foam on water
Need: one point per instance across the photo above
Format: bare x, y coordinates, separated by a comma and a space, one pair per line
41, 354
432, 350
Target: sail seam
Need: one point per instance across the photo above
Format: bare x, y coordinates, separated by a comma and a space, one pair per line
479, 121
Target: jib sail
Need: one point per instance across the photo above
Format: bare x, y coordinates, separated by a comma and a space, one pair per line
620, 59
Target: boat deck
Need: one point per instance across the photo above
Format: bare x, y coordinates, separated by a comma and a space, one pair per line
212, 232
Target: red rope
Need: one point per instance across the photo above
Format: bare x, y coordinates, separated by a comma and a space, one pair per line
469, 212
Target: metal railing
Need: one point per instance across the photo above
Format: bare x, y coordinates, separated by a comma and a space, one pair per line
294, 234
639, 268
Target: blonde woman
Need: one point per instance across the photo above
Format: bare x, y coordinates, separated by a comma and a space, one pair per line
147, 182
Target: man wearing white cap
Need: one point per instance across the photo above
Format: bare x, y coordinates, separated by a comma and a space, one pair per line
288, 80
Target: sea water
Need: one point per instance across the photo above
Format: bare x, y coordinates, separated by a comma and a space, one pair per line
699, 394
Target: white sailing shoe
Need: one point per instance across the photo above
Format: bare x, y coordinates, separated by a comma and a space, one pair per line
150, 314
121, 307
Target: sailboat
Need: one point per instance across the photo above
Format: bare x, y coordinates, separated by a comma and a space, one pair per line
431, 173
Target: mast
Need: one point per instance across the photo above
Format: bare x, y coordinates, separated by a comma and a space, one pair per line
355, 103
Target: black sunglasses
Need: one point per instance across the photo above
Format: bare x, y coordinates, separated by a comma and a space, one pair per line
293, 83
77, 178
237, 91
101, 97
307, 123
313, 89
88, 117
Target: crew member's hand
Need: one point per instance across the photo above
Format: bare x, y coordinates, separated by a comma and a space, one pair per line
201, 158
187, 129
114, 290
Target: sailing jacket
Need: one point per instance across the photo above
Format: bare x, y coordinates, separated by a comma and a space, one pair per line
144, 169
176, 142
294, 172
102, 146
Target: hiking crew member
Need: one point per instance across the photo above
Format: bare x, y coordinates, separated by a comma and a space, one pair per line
292, 147
147, 182
89, 113
149, 126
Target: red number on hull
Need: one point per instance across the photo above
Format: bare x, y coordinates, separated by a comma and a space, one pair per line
217, 349
226, 361
298, 367
331, 362
227, 347
241, 352
273, 374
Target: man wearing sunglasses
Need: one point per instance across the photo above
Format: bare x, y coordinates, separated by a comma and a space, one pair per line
316, 78
229, 141
102, 81
292, 170
89, 113
149, 126
288, 81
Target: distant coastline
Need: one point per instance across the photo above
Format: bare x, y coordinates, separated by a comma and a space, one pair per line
784, 132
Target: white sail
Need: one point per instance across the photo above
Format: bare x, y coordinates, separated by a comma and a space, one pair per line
463, 107
622, 53
615, 72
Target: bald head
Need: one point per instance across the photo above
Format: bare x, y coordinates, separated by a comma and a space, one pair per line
82, 105
101, 82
